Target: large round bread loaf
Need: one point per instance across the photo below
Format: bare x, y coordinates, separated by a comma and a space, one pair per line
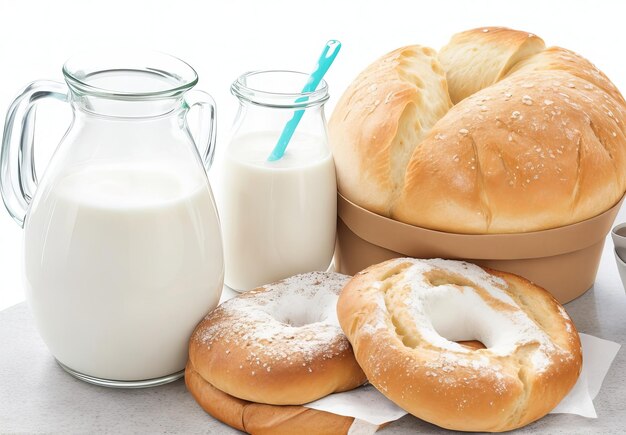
494, 134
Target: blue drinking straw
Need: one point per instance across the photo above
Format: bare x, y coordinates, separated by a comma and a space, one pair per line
324, 62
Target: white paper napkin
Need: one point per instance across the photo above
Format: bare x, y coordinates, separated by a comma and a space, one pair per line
598, 354
371, 409
365, 403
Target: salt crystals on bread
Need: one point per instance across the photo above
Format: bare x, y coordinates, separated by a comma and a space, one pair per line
494, 134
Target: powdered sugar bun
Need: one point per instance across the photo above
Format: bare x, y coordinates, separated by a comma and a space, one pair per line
279, 344
405, 317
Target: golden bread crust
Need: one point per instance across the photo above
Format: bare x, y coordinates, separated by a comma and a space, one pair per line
536, 139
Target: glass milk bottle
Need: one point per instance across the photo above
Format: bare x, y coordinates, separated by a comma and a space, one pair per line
123, 251
279, 217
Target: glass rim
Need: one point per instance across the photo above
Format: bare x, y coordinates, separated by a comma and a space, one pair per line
261, 97
78, 68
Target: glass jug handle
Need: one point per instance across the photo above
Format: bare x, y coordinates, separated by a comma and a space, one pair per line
18, 180
207, 131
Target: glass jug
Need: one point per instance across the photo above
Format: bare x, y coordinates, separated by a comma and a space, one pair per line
123, 251
279, 217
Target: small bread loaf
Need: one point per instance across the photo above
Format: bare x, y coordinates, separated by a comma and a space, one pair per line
493, 134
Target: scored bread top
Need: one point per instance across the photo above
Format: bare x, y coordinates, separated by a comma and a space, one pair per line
494, 134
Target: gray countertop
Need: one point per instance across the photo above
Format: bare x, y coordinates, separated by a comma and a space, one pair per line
36, 395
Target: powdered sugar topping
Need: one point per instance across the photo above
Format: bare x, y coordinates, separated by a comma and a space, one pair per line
292, 322
452, 301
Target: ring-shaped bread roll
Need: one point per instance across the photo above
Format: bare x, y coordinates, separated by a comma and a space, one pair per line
280, 344
404, 318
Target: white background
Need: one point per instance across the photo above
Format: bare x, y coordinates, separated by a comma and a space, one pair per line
224, 39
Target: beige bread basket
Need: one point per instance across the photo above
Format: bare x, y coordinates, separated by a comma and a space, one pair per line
562, 260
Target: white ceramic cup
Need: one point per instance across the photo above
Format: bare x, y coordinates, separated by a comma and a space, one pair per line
618, 234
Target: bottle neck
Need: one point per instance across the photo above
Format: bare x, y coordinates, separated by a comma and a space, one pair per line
278, 89
255, 117
268, 100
